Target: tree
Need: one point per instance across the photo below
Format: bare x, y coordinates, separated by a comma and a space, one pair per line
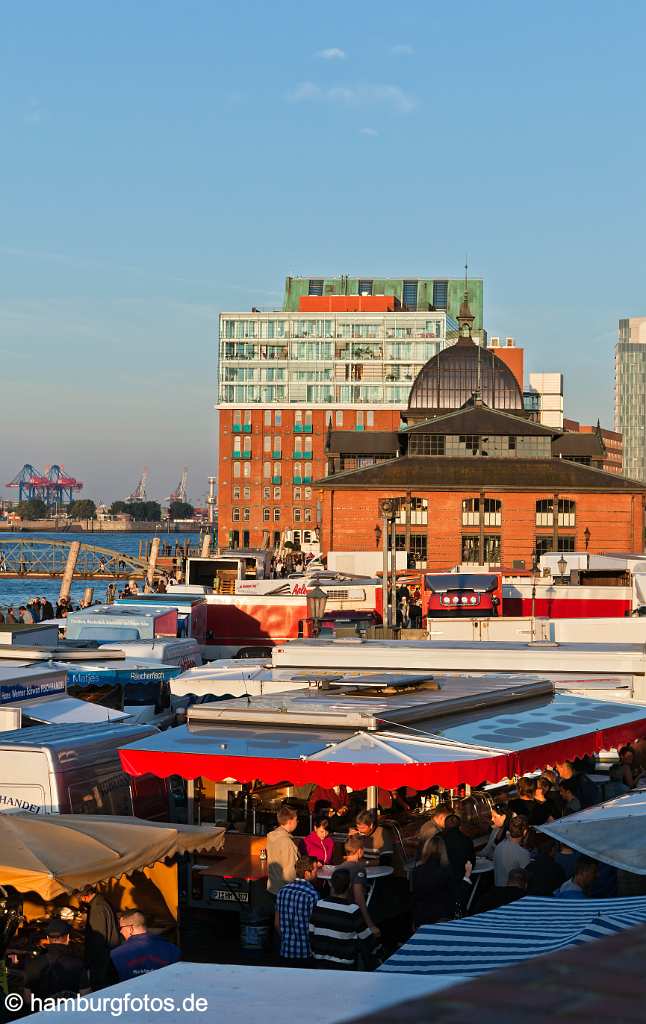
35, 508
117, 508
84, 508
180, 510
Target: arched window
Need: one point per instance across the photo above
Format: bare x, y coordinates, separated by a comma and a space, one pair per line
491, 512
566, 512
265, 515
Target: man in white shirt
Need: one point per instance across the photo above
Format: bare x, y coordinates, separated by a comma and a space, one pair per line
510, 853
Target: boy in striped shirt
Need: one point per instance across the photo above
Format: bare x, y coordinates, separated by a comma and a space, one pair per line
339, 937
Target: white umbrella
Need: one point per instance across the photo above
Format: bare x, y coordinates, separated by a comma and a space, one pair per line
613, 832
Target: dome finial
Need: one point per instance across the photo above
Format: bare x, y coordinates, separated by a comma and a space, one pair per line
465, 316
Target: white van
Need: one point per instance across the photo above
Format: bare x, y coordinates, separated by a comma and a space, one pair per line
63, 769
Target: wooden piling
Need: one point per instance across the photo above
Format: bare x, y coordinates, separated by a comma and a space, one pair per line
68, 575
152, 564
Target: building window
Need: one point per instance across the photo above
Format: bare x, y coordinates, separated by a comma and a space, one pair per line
235, 515
236, 470
427, 444
265, 515
511, 443
276, 515
266, 470
297, 514
236, 493
491, 510
370, 418
278, 418
365, 287
359, 424
308, 515
419, 549
277, 494
338, 417
246, 493
471, 549
440, 294
234, 539
409, 295
297, 494
246, 515
246, 471
266, 493
278, 446
566, 512
307, 493
267, 417
266, 444
315, 287
418, 511
546, 543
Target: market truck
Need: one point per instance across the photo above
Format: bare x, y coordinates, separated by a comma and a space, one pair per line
75, 769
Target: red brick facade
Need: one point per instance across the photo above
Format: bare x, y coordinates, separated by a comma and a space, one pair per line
615, 522
246, 495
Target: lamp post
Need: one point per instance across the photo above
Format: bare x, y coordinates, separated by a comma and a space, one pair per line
532, 634
562, 567
388, 513
316, 602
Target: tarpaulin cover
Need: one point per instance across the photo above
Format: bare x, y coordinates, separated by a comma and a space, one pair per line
613, 832
499, 938
488, 747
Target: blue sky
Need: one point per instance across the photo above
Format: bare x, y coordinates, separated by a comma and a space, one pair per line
163, 161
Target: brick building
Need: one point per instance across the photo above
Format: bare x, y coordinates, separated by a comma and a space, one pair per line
477, 481
341, 355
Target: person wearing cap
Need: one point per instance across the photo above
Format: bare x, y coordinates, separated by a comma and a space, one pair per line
101, 936
57, 971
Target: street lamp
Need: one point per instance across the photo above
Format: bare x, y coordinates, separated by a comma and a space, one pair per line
562, 567
316, 602
378, 535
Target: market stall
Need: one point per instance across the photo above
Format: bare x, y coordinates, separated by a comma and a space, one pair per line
613, 832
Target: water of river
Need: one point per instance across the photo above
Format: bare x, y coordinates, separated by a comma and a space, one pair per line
17, 592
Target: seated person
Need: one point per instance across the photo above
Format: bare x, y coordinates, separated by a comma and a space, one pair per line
339, 936
569, 799
334, 797
319, 842
515, 889
355, 864
377, 840
579, 885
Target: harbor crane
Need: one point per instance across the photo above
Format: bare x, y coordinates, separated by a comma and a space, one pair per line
55, 487
179, 494
139, 493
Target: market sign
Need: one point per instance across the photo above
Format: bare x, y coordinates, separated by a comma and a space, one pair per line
12, 693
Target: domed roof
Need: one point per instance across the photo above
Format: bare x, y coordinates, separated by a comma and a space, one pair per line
456, 373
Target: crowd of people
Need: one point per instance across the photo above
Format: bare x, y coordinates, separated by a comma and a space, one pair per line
38, 609
333, 923
65, 961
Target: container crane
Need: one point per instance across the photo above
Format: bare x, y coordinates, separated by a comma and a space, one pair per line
139, 493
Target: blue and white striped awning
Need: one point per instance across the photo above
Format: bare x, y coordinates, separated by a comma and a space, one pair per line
499, 938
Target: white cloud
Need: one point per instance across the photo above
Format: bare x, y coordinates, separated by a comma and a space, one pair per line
368, 131
357, 96
402, 50
332, 53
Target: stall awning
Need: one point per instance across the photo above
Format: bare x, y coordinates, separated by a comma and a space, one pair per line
525, 929
56, 710
468, 749
613, 832
55, 853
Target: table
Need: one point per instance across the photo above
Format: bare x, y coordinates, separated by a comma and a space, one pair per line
480, 868
372, 872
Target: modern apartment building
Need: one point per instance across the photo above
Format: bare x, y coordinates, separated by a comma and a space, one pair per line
545, 397
342, 355
630, 394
